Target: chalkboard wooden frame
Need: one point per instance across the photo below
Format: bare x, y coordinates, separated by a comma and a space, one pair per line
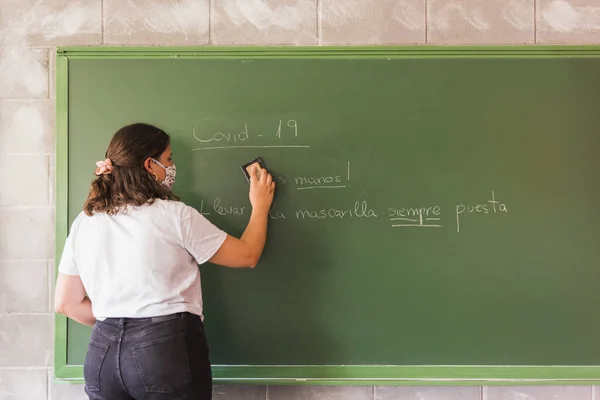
307, 374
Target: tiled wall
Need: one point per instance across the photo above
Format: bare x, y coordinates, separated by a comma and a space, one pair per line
29, 32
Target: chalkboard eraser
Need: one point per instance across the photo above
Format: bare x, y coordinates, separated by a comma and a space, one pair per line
246, 167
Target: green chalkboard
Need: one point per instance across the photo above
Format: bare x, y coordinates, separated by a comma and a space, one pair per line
436, 217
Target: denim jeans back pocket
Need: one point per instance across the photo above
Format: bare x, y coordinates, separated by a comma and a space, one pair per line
93, 365
163, 364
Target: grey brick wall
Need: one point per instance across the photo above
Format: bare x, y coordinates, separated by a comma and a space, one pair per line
29, 32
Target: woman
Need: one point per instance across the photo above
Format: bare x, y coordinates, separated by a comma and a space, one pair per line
129, 268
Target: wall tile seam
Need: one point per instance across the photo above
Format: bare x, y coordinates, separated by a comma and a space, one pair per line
482, 389
48, 74
28, 314
25, 368
49, 180
25, 100
47, 379
13, 154
102, 22
535, 25
426, 21
27, 46
319, 8
42, 207
427, 43
26, 260
51, 282
210, 22
48, 78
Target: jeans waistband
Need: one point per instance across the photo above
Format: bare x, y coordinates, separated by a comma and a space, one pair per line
113, 328
145, 320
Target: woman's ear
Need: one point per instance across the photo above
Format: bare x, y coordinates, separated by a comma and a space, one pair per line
148, 164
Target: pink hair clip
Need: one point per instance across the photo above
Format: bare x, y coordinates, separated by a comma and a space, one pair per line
104, 167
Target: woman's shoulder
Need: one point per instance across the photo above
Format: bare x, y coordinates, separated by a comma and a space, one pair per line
81, 217
175, 207
179, 209
152, 207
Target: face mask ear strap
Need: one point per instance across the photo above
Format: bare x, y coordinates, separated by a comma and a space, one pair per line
158, 163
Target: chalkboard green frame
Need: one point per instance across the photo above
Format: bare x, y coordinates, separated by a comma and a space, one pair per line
294, 374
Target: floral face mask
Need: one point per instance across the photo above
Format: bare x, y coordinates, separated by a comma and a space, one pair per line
171, 171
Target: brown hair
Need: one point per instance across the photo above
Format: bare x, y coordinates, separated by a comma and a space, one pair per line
129, 183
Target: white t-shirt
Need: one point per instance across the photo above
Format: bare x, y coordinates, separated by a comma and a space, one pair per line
142, 263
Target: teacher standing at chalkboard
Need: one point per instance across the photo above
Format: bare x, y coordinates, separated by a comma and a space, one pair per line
129, 268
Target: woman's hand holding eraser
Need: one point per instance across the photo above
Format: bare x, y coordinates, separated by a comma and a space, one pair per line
246, 168
262, 186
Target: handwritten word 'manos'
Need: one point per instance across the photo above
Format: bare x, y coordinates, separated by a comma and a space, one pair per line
327, 181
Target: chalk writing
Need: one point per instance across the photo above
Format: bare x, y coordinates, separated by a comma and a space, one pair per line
292, 124
491, 206
361, 210
244, 138
275, 214
227, 210
281, 146
240, 210
318, 182
321, 187
415, 217
202, 209
227, 136
330, 181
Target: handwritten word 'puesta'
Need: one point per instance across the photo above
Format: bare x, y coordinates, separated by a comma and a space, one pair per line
361, 210
492, 206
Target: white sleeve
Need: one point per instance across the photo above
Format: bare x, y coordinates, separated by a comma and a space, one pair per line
201, 238
68, 265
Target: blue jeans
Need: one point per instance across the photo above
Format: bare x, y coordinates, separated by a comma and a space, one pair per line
148, 358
